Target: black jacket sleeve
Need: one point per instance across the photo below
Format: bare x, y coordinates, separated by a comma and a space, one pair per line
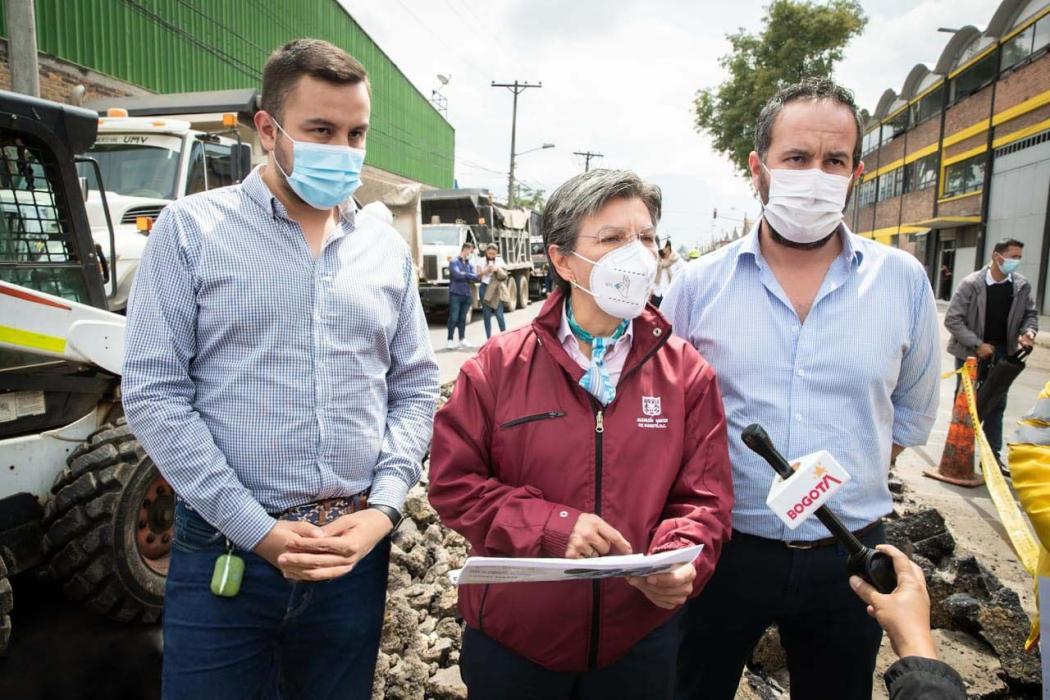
916, 678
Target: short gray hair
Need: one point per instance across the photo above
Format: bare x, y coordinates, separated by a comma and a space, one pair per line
585, 194
807, 89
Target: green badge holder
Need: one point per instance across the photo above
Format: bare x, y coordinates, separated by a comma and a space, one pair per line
228, 574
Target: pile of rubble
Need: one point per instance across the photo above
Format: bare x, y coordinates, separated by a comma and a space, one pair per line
979, 625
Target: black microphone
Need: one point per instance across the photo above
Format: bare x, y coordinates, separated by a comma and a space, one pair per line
873, 566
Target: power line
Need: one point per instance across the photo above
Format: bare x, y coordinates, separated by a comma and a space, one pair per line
587, 156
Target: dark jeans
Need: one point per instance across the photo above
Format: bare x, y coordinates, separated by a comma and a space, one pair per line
492, 671
274, 639
993, 422
457, 314
830, 641
487, 312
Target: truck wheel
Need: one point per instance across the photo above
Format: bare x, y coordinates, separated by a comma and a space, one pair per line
523, 291
109, 527
7, 602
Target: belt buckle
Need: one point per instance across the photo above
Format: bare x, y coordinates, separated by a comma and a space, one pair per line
803, 546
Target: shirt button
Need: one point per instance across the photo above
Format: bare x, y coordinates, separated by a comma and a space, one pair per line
801, 373
564, 514
798, 416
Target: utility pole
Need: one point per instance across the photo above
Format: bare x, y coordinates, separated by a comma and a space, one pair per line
587, 155
517, 88
21, 47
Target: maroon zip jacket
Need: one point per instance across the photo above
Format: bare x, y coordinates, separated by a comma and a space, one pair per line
521, 450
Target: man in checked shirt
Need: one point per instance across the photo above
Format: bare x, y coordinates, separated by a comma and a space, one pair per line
279, 372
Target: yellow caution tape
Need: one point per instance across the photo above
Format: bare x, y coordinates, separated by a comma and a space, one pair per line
1010, 514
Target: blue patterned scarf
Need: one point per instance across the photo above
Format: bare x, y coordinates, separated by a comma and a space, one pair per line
596, 380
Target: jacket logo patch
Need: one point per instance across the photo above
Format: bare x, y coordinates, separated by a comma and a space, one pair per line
651, 407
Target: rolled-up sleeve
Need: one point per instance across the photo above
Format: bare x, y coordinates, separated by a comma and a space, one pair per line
916, 394
158, 391
412, 390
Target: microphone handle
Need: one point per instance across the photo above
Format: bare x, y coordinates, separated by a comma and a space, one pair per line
835, 526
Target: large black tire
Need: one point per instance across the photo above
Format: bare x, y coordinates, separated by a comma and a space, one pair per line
523, 290
107, 502
7, 602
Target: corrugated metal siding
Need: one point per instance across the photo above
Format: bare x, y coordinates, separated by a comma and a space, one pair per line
187, 45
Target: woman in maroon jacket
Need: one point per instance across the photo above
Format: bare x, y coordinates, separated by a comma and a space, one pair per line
593, 431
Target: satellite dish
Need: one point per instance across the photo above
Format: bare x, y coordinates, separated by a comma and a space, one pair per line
444, 78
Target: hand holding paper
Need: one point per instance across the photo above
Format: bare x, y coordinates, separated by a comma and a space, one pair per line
524, 570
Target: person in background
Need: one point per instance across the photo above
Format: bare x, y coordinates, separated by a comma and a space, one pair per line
492, 275
667, 268
905, 615
990, 315
588, 432
290, 424
828, 340
460, 298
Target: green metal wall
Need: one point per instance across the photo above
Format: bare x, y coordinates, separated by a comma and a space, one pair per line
189, 45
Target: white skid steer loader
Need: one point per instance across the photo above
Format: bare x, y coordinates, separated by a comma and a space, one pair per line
78, 495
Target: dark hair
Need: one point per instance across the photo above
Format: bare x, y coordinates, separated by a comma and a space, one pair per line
1005, 243
466, 244
314, 57
583, 195
806, 89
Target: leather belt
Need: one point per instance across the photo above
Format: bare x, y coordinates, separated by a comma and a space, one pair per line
829, 541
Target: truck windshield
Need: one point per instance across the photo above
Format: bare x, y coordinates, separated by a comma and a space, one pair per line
133, 170
441, 235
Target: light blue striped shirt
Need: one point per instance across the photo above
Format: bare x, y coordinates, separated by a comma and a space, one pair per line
859, 375
259, 377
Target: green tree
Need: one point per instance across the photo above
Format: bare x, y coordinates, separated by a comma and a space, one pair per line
798, 40
532, 198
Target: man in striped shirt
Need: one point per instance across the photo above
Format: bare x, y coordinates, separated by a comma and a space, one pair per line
279, 372
828, 340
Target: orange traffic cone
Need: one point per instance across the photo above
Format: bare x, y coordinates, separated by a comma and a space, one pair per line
957, 460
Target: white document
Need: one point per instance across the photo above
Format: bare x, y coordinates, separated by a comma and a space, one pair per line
512, 570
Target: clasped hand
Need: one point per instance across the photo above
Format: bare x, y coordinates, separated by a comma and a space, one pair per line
307, 552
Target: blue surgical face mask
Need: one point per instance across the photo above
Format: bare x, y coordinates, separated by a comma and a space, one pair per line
1009, 265
323, 176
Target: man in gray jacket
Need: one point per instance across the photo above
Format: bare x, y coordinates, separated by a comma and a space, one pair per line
992, 313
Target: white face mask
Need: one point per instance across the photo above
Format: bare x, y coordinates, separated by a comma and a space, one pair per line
621, 280
805, 206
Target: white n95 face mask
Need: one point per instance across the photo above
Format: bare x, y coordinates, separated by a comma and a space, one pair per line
621, 280
805, 206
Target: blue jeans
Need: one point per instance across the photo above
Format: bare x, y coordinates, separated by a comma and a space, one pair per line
457, 314
486, 313
276, 638
993, 422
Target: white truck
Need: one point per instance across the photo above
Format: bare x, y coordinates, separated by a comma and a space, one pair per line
454, 217
152, 150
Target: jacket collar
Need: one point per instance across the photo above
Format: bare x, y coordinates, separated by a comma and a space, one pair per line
650, 331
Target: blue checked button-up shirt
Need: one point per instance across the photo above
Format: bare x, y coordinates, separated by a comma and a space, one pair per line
462, 273
259, 377
859, 375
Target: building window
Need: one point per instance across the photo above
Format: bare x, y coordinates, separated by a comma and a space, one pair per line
927, 107
973, 78
895, 126
964, 176
1032, 39
920, 174
867, 193
870, 142
890, 184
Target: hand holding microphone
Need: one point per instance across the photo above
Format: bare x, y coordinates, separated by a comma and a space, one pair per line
873, 566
